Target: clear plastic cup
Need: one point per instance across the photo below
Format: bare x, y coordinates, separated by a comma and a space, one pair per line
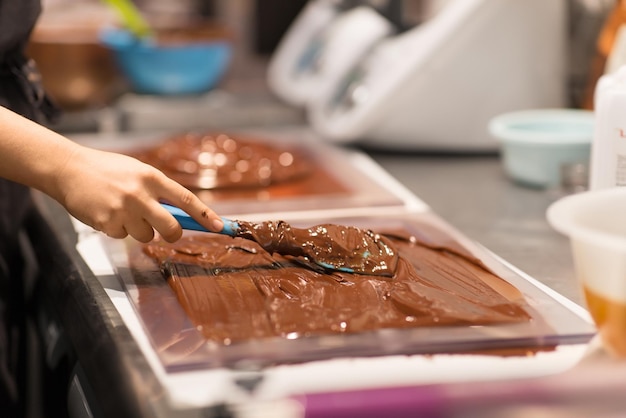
595, 222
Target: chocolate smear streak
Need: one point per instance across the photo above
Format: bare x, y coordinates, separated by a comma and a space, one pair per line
335, 247
234, 290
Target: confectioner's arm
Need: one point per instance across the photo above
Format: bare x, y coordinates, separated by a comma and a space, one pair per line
113, 193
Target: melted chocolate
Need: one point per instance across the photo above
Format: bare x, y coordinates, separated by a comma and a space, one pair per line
334, 247
233, 290
205, 162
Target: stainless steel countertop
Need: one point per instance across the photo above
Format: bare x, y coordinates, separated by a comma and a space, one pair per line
473, 194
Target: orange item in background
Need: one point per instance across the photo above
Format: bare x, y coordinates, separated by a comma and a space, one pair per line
606, 42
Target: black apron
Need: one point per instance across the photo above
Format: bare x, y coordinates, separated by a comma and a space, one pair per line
20, 91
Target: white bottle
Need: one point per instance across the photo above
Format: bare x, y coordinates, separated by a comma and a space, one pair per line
608, 150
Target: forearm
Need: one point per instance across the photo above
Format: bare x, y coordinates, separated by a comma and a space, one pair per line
31, 154
113, 193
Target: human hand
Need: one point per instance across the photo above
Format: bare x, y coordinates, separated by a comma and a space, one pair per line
121, 196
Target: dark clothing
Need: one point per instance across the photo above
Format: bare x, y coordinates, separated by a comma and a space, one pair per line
20, 92
20, 89
17, 19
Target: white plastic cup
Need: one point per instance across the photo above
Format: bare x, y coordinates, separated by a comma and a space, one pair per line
595, 222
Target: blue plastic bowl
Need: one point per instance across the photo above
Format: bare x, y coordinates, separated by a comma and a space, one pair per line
169, 69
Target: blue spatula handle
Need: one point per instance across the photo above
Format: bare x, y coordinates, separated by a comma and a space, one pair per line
187, 222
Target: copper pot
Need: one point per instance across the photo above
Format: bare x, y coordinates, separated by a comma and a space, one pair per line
78, 72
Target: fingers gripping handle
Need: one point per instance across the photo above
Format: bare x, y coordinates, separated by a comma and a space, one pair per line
187, 222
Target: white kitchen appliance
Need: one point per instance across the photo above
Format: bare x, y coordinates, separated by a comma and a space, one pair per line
436, 85
321, 46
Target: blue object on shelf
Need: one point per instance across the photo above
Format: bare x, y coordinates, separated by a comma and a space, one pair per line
170, 69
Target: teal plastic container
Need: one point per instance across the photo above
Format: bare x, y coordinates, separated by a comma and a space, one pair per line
537, 145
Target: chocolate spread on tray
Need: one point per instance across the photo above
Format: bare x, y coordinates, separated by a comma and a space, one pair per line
233, 290
335, 247
206, 161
